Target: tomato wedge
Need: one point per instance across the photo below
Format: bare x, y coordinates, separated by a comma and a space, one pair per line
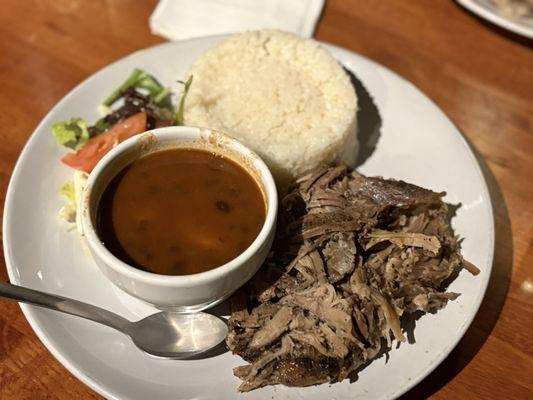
88, 156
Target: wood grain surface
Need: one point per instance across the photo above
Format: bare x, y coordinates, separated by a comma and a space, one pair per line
481, 76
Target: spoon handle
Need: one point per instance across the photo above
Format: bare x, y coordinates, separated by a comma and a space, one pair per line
63, 304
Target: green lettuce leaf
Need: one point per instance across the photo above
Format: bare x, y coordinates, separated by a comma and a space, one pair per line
67, 190
181, 107
72, 133
140, 79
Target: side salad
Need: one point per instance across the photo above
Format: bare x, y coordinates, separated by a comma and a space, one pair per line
140, 103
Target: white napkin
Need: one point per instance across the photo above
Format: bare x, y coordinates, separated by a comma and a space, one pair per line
185, 19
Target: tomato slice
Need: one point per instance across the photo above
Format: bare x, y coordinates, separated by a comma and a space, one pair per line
88, 156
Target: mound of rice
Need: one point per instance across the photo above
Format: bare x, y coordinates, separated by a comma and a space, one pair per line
283, 96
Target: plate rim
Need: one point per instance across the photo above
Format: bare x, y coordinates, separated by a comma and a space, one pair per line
102, 389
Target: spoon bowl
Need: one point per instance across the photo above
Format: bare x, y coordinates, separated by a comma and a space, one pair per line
177, 335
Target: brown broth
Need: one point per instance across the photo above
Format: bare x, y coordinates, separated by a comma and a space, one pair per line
180, 211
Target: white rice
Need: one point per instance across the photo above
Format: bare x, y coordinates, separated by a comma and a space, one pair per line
283, 96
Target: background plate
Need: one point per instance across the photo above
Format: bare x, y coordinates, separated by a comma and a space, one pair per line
415, 142
485, 10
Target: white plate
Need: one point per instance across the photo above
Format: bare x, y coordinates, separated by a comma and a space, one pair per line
487, 11
418, 143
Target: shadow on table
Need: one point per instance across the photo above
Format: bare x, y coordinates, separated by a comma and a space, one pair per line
492, 304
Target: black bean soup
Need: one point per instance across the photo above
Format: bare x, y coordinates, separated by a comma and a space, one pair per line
180, 211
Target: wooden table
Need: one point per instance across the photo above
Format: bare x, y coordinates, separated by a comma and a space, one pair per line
481, 76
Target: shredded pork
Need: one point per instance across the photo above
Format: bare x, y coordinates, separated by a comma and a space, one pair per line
352, 255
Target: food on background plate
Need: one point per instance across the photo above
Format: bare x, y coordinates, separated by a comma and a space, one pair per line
514, 8
283, 96
180, 211
145, 104
352, 255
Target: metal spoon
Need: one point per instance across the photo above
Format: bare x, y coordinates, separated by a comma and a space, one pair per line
164, 334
